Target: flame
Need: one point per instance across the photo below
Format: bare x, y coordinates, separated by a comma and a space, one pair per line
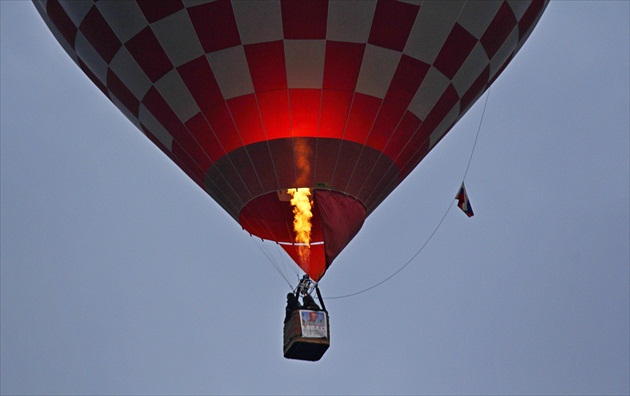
302, 215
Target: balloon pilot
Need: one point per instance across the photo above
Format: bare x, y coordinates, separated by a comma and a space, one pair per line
304, 288
309, 303
293, 304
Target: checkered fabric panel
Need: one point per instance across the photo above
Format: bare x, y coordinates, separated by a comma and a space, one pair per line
205, 78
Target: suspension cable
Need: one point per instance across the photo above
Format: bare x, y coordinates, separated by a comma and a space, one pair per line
472, 152
404, 265
438, 225
267, 254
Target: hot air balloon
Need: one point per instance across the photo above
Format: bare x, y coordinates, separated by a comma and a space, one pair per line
254, 100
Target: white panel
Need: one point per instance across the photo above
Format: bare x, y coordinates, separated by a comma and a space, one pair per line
178, 38
125, 17
41, 8
76, 9
231, 71
477, 16
154, 126
430, 91
90, 57
519, 7
123, 109
377, 70
258, 21
446, 123
433, 24
470, 70
176, 94
350, 21
504, 52
305, 63
129, 72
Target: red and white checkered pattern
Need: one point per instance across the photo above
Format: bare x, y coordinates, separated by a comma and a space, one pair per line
377, 82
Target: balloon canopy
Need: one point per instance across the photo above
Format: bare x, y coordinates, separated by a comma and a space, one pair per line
252, 98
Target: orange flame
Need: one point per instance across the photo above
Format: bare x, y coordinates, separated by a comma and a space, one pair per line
302, 215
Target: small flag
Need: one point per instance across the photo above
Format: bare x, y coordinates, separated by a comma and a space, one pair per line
463, 202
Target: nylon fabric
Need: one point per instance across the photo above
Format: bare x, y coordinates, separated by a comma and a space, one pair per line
249, 98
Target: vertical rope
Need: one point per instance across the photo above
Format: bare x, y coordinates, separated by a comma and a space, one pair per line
472, 152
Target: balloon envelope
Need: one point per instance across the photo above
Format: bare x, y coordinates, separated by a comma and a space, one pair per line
251, 98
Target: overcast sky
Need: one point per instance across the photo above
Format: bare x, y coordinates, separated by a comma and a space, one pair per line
119, 275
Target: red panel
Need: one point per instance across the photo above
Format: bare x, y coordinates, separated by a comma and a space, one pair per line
345, 163
327, 151
388, 118
260, 156
392, 24
408, 125
100, 35
341, 217
305, 19
243, 175
274, 108
160, 109
151, 136
147, 51
181, 164
335, 109
169, 120
215, 25
230, 181
194, 170
415, 159
223, 126
528, 19
476, 88
62, 21
343, 62
418, 141
446, 102
122, 92
407, 79
156, 10
247, 117
316, 266
284, 162
381, 179
267, 65
498, 30
456, 49
418, 146
201, 83
200, 129
362, 114
409, 75
305, 106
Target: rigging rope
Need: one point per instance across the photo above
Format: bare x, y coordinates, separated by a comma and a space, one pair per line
472, 152
438, 225
477, 136
273, 263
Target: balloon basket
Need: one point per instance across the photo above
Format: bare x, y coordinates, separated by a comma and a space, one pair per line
306, 335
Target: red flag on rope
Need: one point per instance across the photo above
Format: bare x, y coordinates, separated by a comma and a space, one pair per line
463, 202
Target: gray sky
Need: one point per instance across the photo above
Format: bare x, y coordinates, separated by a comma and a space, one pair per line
120, 276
